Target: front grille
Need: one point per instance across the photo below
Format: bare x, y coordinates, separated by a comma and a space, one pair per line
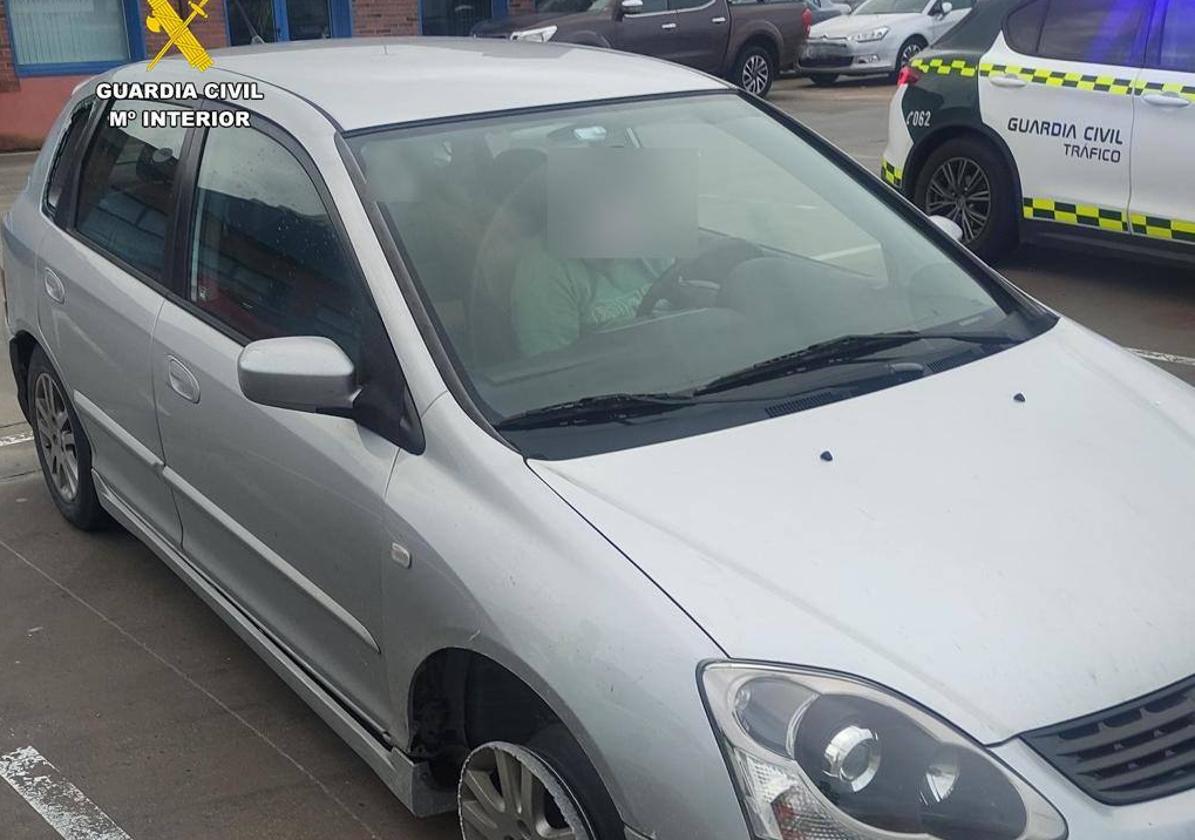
1140, 751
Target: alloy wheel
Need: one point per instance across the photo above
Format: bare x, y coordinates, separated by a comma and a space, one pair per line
508, 793
960, 191
56, 435
906, 55
755, 74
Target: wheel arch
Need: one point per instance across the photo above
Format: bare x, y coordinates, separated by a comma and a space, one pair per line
952, 131
762, 35
20, 350
460, 698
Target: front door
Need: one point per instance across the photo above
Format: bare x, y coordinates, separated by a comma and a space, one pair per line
267, 21
280, 509
1163, 177
1058, 87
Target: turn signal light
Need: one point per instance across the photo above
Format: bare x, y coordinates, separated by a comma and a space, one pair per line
908, 76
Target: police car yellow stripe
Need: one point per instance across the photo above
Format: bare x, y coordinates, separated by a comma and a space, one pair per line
1070, 213
945, 66
1159, 227
893, 175
1061, 78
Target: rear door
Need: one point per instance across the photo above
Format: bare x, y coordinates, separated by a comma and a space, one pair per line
101, 276
1163, 203
280, 509
1058, 85
702, 30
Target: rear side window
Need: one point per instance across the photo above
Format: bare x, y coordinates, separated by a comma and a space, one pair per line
267, 259
67, 150
126, 189
1095, 31
1022, 30
1178, 37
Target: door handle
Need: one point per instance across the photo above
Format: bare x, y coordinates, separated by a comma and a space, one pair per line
1006, 81
1167, 100
668, 26
54, 287
718, 19
181, 380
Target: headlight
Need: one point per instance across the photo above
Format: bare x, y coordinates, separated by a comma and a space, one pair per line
823, 756
872, 35
544, 33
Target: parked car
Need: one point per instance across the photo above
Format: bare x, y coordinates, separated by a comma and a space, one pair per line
879, 36
518, 420
748, 43
826, 9
1067, 124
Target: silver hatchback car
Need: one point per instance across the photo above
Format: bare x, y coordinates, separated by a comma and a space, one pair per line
604, 455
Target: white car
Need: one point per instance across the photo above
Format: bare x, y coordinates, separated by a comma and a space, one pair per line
880, 36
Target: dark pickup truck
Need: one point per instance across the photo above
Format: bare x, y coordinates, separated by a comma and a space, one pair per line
745, 41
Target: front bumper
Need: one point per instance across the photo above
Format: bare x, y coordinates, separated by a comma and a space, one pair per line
1168, 818
840, 57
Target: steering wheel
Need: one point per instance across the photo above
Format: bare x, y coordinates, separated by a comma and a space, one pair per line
712, 265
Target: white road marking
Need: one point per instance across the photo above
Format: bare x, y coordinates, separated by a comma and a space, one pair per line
13, 440
1155, 356
61, 804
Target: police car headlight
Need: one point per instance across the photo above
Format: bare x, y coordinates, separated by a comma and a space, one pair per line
544, 33
871, 35
819, 755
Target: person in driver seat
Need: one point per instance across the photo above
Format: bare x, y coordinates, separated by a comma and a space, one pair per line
567, 280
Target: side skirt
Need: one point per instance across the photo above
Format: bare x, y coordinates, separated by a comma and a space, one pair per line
409, 780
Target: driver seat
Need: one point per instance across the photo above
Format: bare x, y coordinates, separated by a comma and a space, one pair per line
517, 187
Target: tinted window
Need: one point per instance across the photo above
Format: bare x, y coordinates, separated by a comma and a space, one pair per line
67, 149
1178, 37
267, 260
1023, 27
126, 187
1095, 31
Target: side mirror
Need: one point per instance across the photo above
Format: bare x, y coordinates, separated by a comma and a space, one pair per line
629, 7
948, 227
943, 9
302, 373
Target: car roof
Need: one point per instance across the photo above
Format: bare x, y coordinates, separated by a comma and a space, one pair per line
364, 82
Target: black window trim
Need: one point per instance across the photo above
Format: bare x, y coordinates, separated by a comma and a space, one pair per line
406, 431
1136, 61
72, 165
68, 211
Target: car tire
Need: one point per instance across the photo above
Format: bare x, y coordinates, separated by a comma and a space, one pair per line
754, 70
978, 169
824, 79
908, 50
573, 795
62, 447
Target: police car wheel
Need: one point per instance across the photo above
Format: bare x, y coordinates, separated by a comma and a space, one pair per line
967, 181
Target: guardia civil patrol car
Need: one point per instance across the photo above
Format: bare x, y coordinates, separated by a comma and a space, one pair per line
1059, 119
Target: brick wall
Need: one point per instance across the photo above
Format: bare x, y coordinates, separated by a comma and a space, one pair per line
8, 76
385, 17
211, 31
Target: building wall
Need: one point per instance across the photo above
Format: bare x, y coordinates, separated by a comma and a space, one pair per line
29, 104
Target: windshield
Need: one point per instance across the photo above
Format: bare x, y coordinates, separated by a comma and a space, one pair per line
656, 248
890, 7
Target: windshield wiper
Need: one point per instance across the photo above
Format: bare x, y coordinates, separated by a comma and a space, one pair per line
846, 349
609, 408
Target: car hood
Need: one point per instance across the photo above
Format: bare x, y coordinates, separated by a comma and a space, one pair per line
1008, 564
840, 27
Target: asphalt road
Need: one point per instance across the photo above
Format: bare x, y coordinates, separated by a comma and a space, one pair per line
123, 699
